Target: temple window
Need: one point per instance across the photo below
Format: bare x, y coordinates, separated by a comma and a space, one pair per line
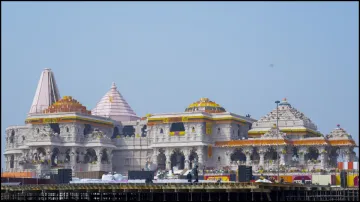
161, 131
116, 132
177, 127
23, 137
143, 131
55, 127
12, 159
12, 137
37, 130
67, 129
87, 129
193, 129
218, 131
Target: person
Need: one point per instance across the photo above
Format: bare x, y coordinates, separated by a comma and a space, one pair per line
196, 174
189, 177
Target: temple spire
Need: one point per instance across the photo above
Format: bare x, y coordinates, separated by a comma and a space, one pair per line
46, 93
114, 106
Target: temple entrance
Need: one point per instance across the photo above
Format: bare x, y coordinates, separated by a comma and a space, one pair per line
238, 155
193, 156
177, 160
161, 161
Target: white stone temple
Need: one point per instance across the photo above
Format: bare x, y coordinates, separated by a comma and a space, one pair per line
62, 133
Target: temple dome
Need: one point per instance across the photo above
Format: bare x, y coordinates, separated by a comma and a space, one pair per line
67, 104
289, 117
114, 106
205, 105
338, 133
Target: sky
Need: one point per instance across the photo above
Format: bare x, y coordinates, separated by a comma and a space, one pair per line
165, 55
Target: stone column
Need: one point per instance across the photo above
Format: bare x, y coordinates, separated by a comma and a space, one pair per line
186, 154
302, 151
262, 156
247, 152
200, 153
168, 159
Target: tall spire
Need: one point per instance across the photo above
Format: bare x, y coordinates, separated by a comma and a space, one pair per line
114, 106
46, 94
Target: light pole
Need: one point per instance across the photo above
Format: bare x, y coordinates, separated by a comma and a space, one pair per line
277, 136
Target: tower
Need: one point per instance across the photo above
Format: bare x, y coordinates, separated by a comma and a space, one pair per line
46, 93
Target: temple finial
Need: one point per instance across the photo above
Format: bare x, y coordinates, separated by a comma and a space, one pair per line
113, 86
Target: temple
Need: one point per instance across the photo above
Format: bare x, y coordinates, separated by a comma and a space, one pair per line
62, 133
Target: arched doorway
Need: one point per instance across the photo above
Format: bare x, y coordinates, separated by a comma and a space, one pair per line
313, 154
238, 155
161, 160
54, 157
333, 156
104, 157
270, 156
193, 156
177, 160
255, 157
90, 156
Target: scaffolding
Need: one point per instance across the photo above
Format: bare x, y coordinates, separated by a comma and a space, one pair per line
187, 192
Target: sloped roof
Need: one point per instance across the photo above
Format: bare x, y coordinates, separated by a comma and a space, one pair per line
46, 93
114, 106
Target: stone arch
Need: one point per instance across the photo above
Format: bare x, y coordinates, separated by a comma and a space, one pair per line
90, 156
238, 155
41, 154
12, 136
271, 154
54, 156
161, 160
12, 161
104, 157
312, 154
177, 158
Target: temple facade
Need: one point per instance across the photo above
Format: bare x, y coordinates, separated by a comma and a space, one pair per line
62, 133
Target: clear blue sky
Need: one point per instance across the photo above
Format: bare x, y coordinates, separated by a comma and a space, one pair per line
163, 56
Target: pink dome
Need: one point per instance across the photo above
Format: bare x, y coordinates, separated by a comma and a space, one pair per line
114, 106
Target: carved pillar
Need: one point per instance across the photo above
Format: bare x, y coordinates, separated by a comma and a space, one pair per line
302, 152
248, 156
168, 159
186, 154
200, 153
262, 156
